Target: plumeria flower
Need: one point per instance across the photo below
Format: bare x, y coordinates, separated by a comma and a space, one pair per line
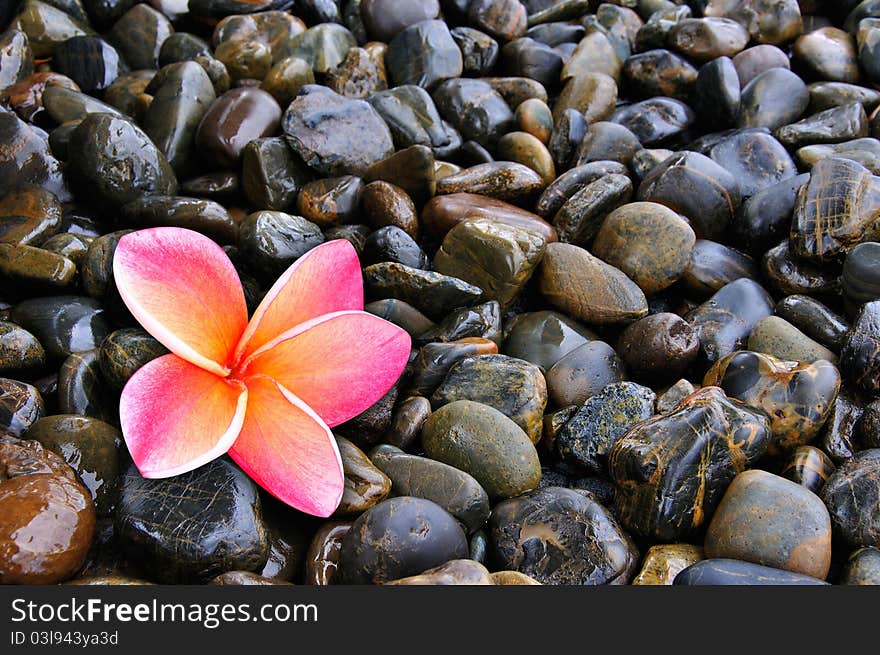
265, 391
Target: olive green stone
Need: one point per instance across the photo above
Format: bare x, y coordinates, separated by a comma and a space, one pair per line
777, 337
497, 258
20, 352
64, 105
587, 288
138, 36
323, 46
454, 490
72, 246
648, 242
46, 26
286, 78
97, 266
483, 442
90, 446
512, 386
63, 324
245, 58
365, 485
663, 562
82, 389
124, 351
29, 270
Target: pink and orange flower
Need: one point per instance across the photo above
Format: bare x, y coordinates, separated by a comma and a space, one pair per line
268, 390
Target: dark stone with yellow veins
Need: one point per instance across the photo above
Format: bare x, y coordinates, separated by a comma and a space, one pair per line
508, 181
852, 495
498, 258
21, 405
809, 467
20, 351
862, 568
836, 210
868, 427
716, 572
63, 324
433, 293
124, 351
435, 359
796, 396
513, 386
696, 187
192, 526
455, 491
587, 288
365, 485
725, 321
671, 471
443, 213
562, 537
322, 557
860, 355
588, 436
769, 520
399, 537
480, 321
659, 73
82, 389
581, 216
25, 270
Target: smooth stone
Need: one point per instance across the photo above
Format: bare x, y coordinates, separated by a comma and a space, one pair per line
21, 405
868, 42
865, 152
497, 258
481, 321
713, 265
358, 76
571, 182
125, 92
607, 141
138, 36
769, 520
432, 293
707, 38
413, 118
809, 467
594, 53
27, 271
391, 244
47, 519
243, 59
244, 578
753, 61
324, 46
322, 558
828, 126
839, 437
20, 351
815, 320
423, 54
217, 185
63, 324
504, 20
91, 447
16, 58
592, 94
96, 271
774, 98
365, 485
89, 61
587, 288
330, 201
659, 72
434, 360
836, 210
273, 240
406, 424
796, 396
321, 126
411, 169
25, 159
724, 322
534, 116
46, 26
124, 351
383, 19
659, 18
584, 372
182, 46
452, 489
386, 205
663, 562
562, 537
179, 104
764, 219
233, 120
860, 277
30, 216
205, 216
442, 213
828, 53
671, 471
401, 314
272, 176
658, 346
274, 28
485, 443
544, 337
851, 495
68, 105
479, 51
508, 181
82, 389
25, 98
286, 78
588, 436
514, 387
98, 148
671, 397
755, 159
862, 568
657, 121
787, 274
775, 336
526, 57
698, 188
399, 537
767, 22
581, 216
475, 109
453, 572
724, 572
192, 526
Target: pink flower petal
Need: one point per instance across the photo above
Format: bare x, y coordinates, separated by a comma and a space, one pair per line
338, 364
183, 289
176, 416
326, 279
286, 448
